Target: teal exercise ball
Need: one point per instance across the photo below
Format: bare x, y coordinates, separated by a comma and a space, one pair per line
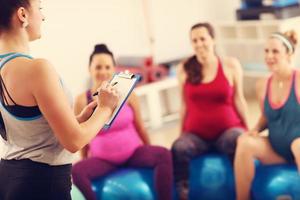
125, 184
275, 182
211, 178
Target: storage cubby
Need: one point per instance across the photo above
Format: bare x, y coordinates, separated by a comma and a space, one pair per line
229, 32
247, 32
266, 31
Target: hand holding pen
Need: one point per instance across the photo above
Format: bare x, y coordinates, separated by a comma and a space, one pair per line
112, 85
108, 97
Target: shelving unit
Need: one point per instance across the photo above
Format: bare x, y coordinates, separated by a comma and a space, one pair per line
160, 102
245, 40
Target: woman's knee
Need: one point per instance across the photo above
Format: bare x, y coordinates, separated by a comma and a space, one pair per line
180, 147
245, 143
163, 155
228, 141
79, 169
184, 143
295, 146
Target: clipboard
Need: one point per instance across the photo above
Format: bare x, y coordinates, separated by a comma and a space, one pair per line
126, 83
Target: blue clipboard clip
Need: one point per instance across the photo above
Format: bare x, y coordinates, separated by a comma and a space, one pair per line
126, 75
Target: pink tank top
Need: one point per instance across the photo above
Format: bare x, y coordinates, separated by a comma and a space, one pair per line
119, 142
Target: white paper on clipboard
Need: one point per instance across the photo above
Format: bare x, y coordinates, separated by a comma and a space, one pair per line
125, 84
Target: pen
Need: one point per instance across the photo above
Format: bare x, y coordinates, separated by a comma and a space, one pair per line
96, 93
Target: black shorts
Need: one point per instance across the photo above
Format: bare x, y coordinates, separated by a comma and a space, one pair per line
28, 180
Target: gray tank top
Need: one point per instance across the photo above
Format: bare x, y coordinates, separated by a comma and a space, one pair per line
26, 134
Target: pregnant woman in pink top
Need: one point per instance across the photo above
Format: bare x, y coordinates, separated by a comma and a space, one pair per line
126, 142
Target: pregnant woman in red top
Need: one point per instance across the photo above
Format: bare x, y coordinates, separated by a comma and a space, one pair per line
214, 108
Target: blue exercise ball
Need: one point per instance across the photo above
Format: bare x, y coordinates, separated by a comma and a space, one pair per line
211, 178
275, 182
125, 184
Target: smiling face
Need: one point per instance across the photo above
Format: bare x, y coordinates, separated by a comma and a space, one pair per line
202, 41
101, 68
276, 55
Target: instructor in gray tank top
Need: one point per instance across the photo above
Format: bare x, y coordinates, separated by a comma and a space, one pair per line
38, 127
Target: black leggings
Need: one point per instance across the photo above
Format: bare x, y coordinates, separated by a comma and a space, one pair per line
28, 180
190, 145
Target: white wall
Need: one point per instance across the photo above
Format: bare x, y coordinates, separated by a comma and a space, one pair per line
73, 27
172, 20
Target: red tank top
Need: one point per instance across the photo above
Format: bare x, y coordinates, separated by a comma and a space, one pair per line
210, 107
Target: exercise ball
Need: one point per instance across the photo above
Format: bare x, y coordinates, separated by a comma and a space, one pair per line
211, 178
76, 194
126, 184
276, 182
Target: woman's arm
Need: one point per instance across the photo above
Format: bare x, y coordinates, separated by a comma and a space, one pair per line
181, 76
80, 104
239, 98
52, 101
261, 124
138, 121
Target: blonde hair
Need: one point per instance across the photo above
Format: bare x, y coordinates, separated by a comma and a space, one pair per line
288, 38
292, 36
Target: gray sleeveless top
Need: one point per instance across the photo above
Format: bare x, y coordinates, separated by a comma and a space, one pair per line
25, 133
